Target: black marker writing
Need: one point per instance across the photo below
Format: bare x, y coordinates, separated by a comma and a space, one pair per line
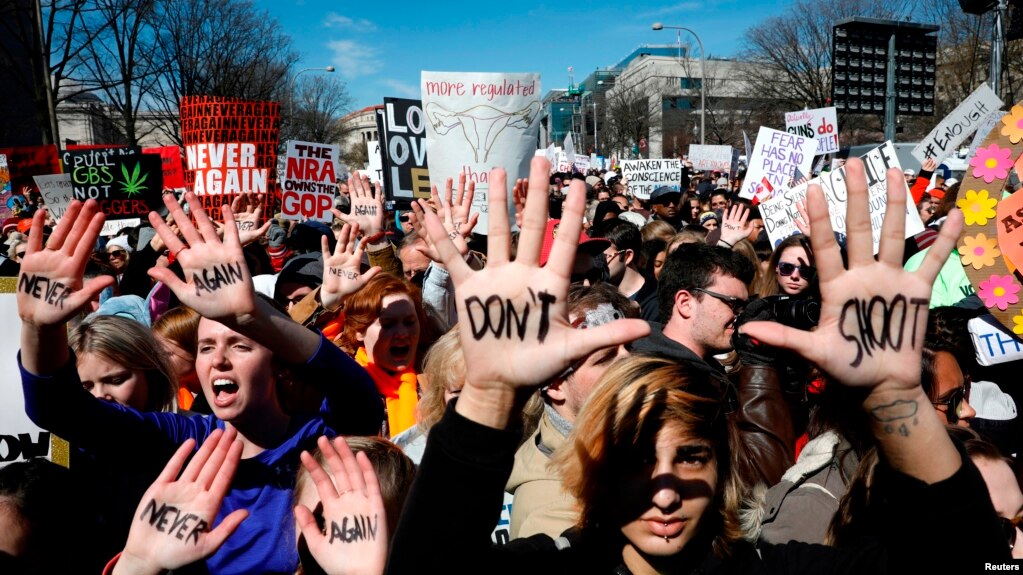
508, 318
44, 289
887, 330
365, 210
364, 528
246, 226
343, 273
174, 522
216, 277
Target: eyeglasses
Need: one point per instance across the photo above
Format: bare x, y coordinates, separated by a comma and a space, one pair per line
1009, 528
117, 254
786, 269
954, 401
611, 257
737, 304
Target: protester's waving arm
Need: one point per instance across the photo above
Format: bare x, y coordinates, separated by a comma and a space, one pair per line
218, 285
537, 341
873, 320
350, 494
173, 522
51, 288
342, 273
735, 225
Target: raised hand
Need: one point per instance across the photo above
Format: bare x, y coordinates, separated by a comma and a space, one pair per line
929, 165
367, 206
734, 225
519, 199
51, 288
172, 525
803, 221
248, 211
342, 271
457, 220
873, 319
354, 540
513, 323
217, 285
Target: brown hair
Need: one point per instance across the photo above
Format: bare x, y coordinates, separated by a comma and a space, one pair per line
633, 400
181, 326
657, 230
769, 285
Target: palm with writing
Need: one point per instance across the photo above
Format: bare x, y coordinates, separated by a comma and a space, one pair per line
342, 271
513, 324
217, 285
248, 211
172, 523
367, 206
873, 314
350, 493
735, 225
51, 288
456, 217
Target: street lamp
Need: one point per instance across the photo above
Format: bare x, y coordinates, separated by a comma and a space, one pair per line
703, 76
291, 87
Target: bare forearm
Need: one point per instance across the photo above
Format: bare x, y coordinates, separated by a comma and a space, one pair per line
910, 435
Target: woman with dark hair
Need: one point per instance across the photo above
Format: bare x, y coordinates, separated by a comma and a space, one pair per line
791, 270
652, 457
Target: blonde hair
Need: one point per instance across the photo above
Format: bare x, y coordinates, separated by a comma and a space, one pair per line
657, 230
128, 343
444, 371
632, 401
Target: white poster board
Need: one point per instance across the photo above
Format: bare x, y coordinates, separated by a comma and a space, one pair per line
776, 157
780, 213
711, 158
479, 121
308, 186
375, 171
57, 193
820, 124
953, 130
20, 439
644, 176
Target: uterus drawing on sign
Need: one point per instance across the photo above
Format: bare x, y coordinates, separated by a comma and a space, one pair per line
480, 124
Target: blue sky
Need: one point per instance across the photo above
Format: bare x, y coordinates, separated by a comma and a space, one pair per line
379, 47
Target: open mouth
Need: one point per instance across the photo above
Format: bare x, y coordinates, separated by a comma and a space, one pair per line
224, 392
400, 353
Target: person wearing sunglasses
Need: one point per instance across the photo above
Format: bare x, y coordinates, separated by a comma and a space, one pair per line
947, 386
117, 254
791, 270
1002, 486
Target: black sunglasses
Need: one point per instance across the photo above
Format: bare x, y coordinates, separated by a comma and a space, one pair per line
117, 254
953, 401
737, 304
786, 269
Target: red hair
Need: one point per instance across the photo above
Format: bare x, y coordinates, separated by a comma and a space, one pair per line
363, 308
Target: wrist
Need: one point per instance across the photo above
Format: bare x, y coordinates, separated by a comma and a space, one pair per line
487, 403
128, 563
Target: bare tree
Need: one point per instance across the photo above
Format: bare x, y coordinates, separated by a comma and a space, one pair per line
314, 112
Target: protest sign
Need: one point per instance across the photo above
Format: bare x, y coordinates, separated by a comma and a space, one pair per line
310, 180
173, 171
406, 173
581, 163
953, 130
992, 342
984, 128
20, 439
476, 122
780, 213
644, 176
57, 193
776, 157
5, 190
24, 162
711, 158
127, 183
230, 147
820, 124
375, 170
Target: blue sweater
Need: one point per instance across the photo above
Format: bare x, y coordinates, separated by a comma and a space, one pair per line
265, 541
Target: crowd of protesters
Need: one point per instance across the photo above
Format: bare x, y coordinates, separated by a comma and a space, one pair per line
596, 384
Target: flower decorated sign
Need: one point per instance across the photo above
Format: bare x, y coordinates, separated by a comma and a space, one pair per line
991, 245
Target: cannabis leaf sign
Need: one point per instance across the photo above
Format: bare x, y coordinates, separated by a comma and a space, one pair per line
132, 183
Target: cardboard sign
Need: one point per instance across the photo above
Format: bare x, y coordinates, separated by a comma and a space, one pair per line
820, 124
230, 147
476, 122
644, 176
20, 439
406, 173
127, 183
310, 180
780, 212
776, 158
57, 192
711, 158
173, 171
953, 130
983, 130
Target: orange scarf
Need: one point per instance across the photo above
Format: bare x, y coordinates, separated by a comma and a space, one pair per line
399, 391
